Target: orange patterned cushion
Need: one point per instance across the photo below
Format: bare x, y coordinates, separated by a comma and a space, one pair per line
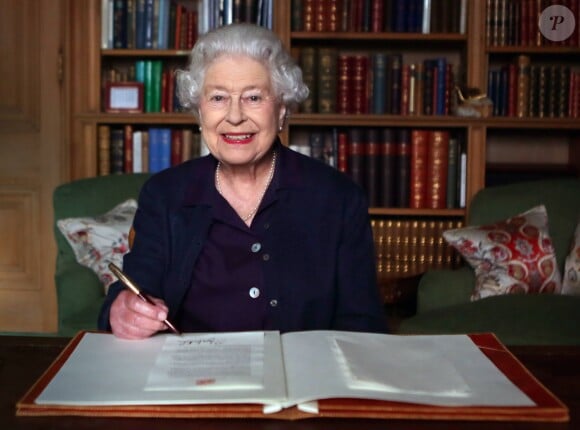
511, 256
571, 281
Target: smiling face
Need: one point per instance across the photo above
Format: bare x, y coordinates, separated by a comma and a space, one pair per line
239, 113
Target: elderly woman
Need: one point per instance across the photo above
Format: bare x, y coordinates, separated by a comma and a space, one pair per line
252, 236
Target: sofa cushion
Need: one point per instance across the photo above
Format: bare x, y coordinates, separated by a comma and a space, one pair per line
571, 275
98, 240
510, 256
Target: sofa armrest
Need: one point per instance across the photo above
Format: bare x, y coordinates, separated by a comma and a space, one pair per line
442, 288
79, 290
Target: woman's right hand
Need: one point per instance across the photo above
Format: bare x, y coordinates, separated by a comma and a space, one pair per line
132, 318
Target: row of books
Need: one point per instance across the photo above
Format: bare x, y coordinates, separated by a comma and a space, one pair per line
158, 79
126, 149
412, 245
173, 24
524, 89
376, 83
516, 22
406, 16
397, 167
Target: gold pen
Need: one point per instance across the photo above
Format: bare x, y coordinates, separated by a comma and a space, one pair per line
131, 285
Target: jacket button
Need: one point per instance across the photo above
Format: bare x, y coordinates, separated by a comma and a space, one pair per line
266, 257
254, 292
256, 247
273, 303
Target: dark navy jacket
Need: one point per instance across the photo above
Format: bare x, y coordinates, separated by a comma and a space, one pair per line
321, 266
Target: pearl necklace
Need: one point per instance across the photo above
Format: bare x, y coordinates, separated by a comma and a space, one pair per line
270, 176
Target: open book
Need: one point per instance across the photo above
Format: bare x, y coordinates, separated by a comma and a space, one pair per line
440, 373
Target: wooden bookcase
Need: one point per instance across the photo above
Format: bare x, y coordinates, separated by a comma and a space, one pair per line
479, 134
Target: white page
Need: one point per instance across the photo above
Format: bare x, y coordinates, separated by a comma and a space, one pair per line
315, 370
233, 361
105, 370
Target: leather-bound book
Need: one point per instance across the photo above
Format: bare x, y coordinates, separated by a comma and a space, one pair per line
316, 143
117, 150
377, 15
344, 85
533, 107
342, 152
177, 144
428, 71
405, 84
360, 84
437, 164
403, 167
452, 172
563, 80
379, 81
334, 15
418, 168
128, 148
104, 149
373, 149
327, 80
523, 85
308, 59
356, 155
396, 65
321, 15
308, 14
388, 172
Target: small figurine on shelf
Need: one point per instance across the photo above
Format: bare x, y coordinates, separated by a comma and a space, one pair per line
473, 103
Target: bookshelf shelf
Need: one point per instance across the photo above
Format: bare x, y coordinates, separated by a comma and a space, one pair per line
380, 120
412, 213
552, 50
138, 118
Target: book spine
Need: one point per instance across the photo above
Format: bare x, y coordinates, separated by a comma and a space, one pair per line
356, 156
373, 146
396, 76
360, 100
117, 150
418, 165
523, 85
344, 91
128, 149
452, 166
388, 154
308, 62
104, 150
437, 166
379, 64
137, 151
176, 147
403, 168
342, 152
327, 80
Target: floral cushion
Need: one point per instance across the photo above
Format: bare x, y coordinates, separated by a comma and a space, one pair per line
511, 256
96, 241
571, 281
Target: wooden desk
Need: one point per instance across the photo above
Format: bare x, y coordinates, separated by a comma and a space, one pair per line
23, 359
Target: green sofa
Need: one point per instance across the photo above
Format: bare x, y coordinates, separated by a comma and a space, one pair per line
79, 291
443, 296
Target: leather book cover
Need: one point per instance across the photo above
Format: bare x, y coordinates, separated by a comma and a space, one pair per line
117, 150
344, 85
356, 155
342, 151
396, 63
308, 12
523, 85
372, 164
308, 58
377, 16
388, 155
405, 83
418, 168
104, 149
176, 147
128, 148
327, 80
548, 407
360, 99
403, 168
379, 80
452, 173
437, 164
334, 15
428, 72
